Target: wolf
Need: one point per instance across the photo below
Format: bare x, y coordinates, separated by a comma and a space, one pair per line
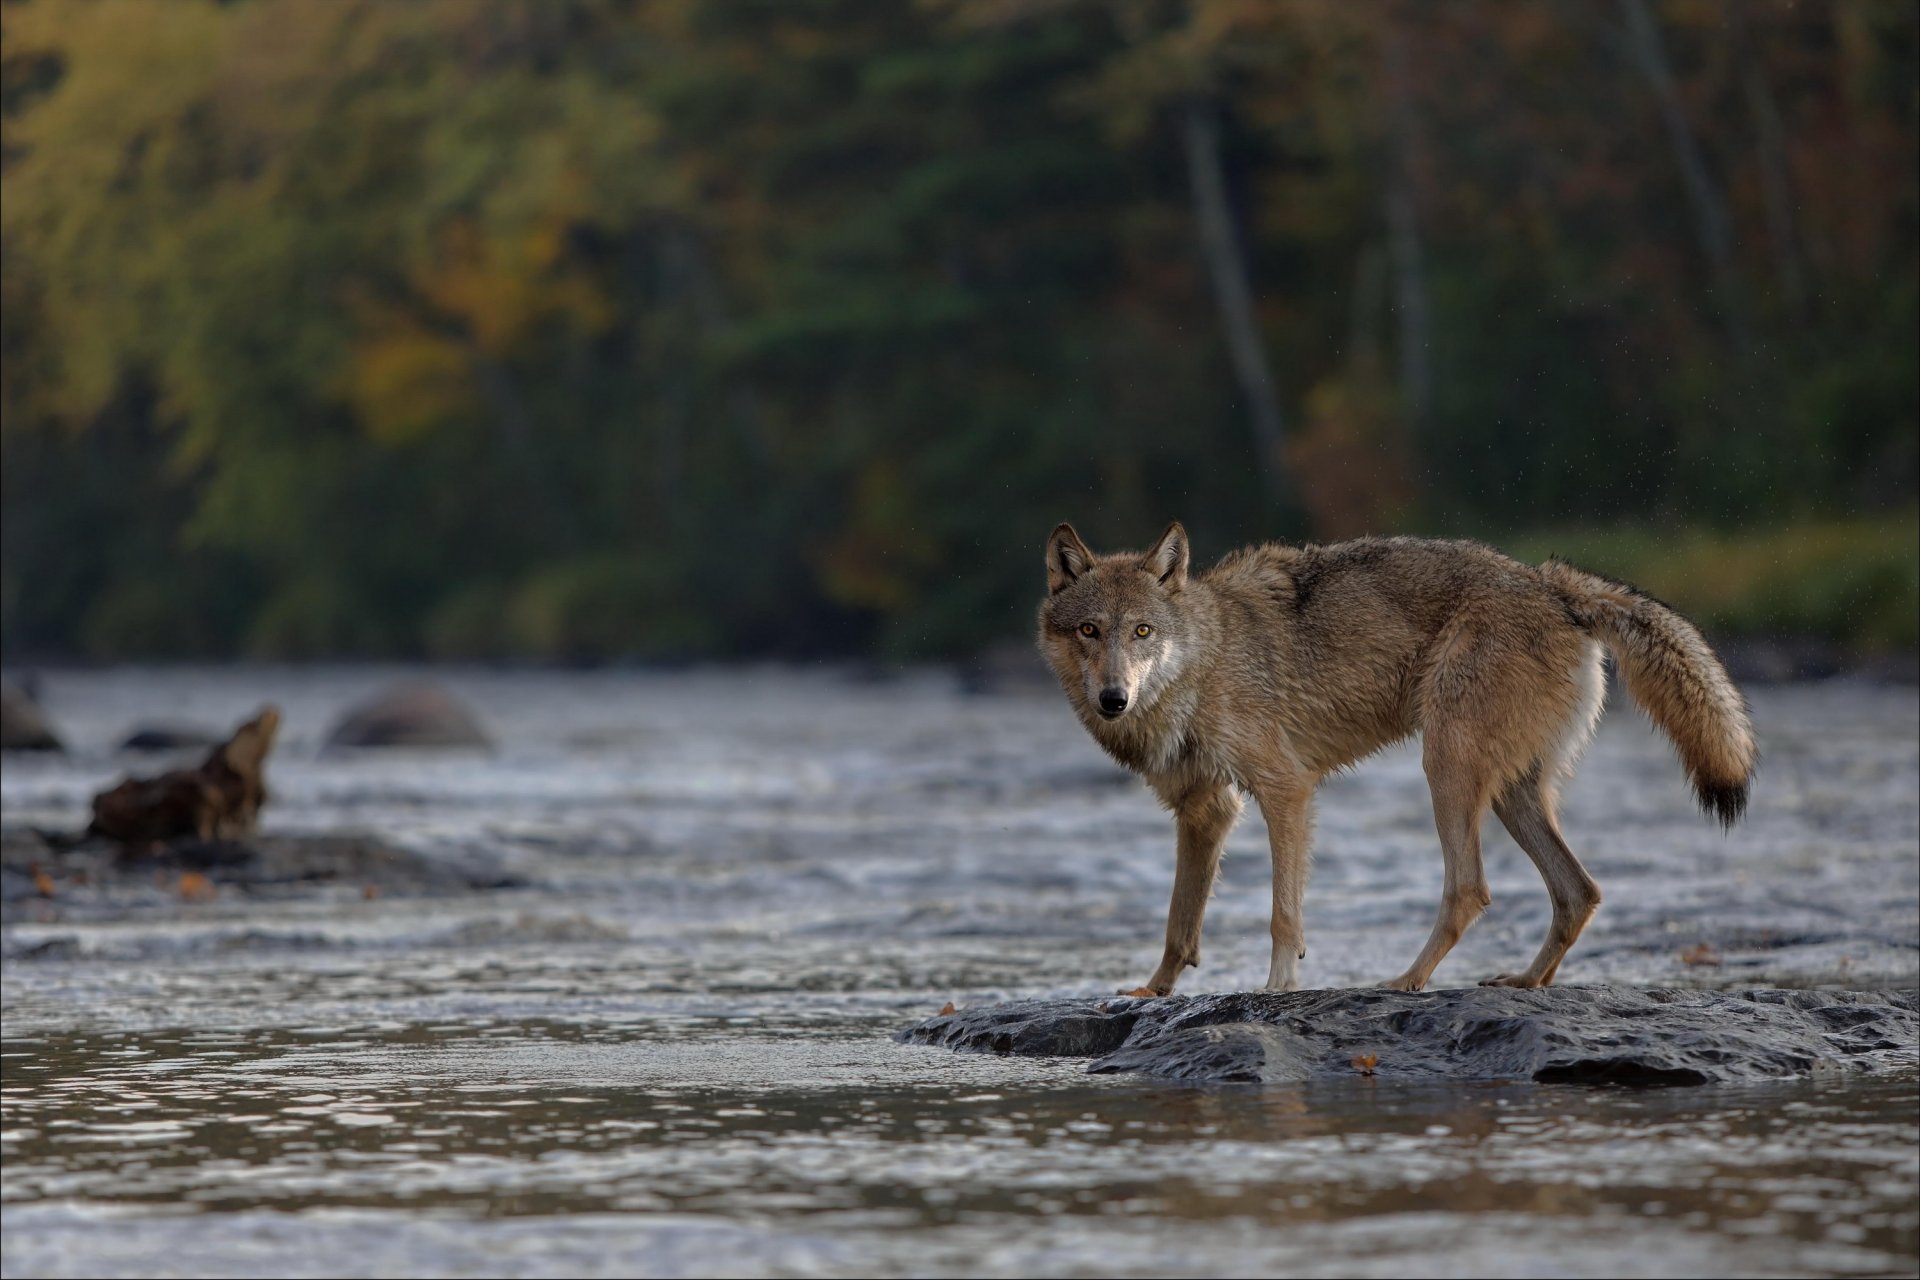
1283, 664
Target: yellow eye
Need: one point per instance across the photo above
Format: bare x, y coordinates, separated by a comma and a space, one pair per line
1090, 631
1143, 631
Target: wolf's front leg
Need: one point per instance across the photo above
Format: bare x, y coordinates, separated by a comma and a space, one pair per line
1286, 802
1203, 815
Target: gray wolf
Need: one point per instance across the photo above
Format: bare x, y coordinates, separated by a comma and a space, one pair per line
1282, 664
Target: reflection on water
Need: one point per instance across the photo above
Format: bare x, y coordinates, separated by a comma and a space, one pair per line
485, 1122
670, 1054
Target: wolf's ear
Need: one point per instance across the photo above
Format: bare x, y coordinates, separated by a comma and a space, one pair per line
1167, 560
1067, 559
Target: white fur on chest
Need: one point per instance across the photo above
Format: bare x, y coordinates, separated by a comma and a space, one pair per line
1161, 742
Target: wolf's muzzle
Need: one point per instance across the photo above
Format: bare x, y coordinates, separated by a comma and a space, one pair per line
1112, 702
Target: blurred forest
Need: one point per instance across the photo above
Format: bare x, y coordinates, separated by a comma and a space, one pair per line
586, 329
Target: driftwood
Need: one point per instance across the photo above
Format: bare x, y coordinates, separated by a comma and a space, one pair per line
219, 800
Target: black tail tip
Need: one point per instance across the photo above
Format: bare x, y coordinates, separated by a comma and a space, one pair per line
1724, 801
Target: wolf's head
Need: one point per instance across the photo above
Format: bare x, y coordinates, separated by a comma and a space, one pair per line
1112, 626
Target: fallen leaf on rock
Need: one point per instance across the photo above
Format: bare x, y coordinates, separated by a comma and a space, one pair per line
1700, 953
1364, 1063
369, 891
42, 883
195, 887
946, 1009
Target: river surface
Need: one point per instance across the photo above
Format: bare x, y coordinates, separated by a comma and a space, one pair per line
670, 1052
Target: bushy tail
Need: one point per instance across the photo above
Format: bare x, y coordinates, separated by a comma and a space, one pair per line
1674, 674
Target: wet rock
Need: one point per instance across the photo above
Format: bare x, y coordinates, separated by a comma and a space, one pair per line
51, 949
23, 726
1585, 1035
169, 737
1034, 1029
91, 878
409, 715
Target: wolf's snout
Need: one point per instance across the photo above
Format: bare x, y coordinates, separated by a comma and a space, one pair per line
1113, 701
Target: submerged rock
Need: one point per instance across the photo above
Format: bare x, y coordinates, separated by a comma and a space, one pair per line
169, 737
1585, 1035
409, 715
23, 726
92, 878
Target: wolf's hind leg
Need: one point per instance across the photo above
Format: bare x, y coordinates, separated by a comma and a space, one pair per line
1459, 780
1203, 816
1526, 808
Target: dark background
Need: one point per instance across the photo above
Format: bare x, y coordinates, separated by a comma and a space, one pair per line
599, 331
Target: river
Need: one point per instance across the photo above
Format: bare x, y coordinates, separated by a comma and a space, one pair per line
668, 1052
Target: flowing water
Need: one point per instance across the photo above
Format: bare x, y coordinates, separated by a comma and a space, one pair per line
668, 1052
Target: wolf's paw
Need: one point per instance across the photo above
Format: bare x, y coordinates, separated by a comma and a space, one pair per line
1510, 980
1405, 982
1143, 993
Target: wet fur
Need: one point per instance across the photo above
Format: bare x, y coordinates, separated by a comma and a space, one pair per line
1281, 665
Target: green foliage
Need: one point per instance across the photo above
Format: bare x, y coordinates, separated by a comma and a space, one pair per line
580, 329
610, 606
1854, 581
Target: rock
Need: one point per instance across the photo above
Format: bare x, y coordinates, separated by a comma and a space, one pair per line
169, 737
97, 879
409, 715
1586, 1035
23, 726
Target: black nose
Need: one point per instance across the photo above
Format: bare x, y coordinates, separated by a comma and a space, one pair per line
1113, 701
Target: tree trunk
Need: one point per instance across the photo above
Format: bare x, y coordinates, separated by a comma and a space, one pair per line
1227, 265
1771, 149
547, 510
1710, 223
1403, 239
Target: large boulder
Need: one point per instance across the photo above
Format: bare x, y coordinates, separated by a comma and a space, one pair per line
23, 726
409, 715
169, 737
1596, 1035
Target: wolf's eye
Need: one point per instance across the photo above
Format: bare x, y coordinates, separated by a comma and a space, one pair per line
1090, 631
1143, 631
